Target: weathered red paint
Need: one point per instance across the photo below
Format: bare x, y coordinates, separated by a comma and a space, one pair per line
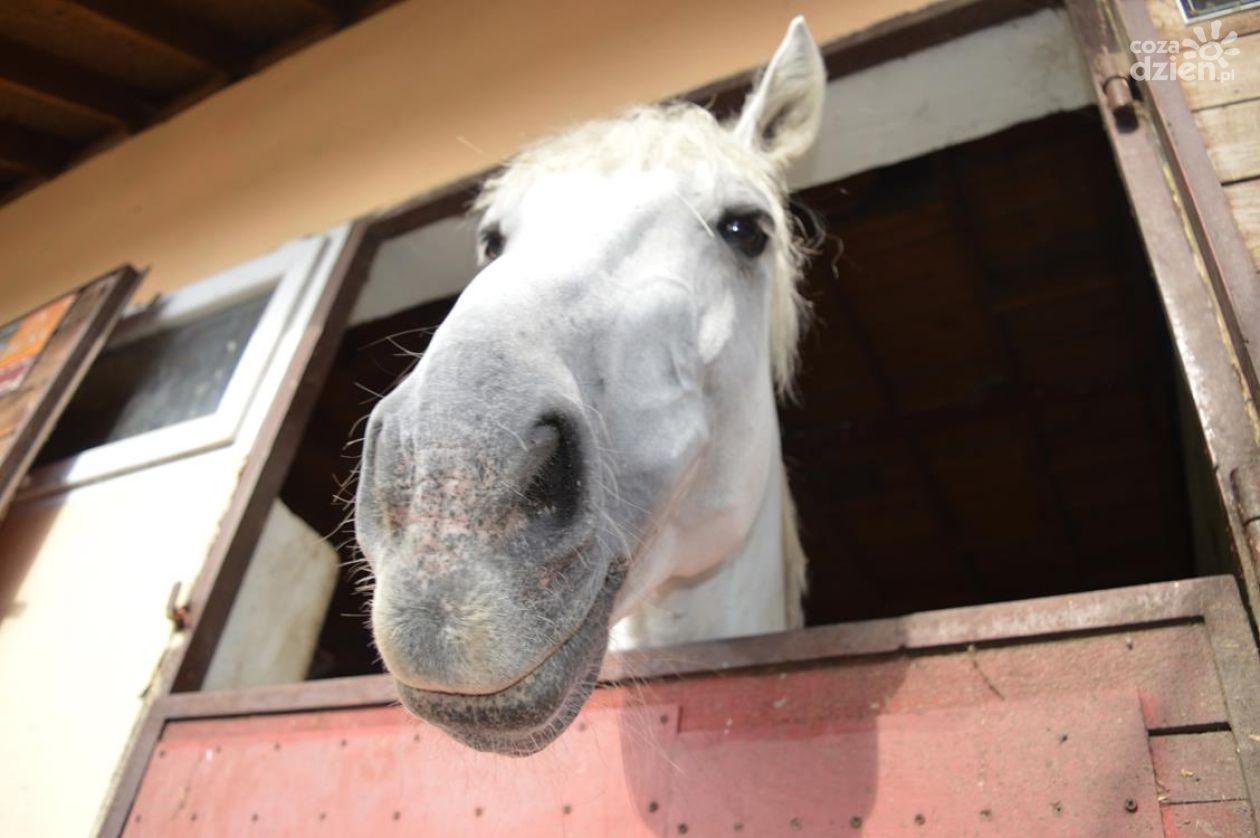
1041, 738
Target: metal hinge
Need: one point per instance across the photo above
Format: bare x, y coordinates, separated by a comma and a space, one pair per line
1246, 480
175, 612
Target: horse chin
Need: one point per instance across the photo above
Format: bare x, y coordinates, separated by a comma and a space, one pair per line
527, 716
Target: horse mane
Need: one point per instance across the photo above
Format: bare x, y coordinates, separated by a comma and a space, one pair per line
675, 135
795, 562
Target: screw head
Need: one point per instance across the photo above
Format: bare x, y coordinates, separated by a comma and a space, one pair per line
1130, 805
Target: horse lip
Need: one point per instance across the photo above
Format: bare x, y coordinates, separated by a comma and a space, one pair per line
568, 635
572, 555
531, 737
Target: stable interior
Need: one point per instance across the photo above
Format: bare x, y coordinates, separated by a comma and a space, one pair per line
990, 406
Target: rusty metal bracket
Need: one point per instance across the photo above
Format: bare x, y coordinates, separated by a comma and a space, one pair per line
175, 612
1117, 88
1246, 480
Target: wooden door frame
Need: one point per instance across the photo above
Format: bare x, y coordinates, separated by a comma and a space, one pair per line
1206, 355
1201, 267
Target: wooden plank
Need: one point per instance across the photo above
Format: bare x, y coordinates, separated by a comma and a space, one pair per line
1197, 767
374, 772
1231, 134
168, 29
1244, 199
1224, 251
1171, 668
1001, 623
53, 79
1232, 819
1210, 92
1074, 766
33, 151
1064, 765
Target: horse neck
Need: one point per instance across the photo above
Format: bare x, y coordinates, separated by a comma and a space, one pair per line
756, 590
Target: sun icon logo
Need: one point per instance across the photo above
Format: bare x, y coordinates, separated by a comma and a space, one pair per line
1210, 50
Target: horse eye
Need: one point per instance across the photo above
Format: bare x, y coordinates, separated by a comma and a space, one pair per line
492, 243
744, 231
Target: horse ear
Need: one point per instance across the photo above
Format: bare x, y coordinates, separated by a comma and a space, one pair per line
782, 114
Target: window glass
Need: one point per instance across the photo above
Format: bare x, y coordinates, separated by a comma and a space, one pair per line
170, 376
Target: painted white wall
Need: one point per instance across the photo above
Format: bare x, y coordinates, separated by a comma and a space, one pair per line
961, 90
87, 631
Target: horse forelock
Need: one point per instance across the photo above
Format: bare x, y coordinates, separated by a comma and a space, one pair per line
675, 136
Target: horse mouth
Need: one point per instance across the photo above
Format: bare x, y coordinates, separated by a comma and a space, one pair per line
528, 715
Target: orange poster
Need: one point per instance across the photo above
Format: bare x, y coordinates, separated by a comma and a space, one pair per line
22, 340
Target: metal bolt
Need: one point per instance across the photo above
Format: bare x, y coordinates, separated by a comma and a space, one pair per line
1130, 805
682, 829
986, 813
919, 820
477, 812
176, 613
1057, 807
795, 823
567, 808
664, 719
653, 805
855, 822
739, 826
397, 815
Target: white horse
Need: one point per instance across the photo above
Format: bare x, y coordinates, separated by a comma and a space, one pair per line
591, 438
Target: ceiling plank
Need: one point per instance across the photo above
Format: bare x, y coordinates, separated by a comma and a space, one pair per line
341, 11
33, 152
54, 79
168, 29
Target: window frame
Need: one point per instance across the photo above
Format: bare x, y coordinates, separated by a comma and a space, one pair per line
291, 274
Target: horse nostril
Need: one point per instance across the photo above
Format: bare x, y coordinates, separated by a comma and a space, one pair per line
553, 487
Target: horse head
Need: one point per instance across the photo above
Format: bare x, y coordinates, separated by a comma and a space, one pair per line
593, 428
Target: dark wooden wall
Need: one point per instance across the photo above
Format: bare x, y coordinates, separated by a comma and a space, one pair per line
988, 405
986, 409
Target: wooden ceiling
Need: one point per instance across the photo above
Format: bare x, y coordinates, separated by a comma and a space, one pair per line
79, 75
987, 408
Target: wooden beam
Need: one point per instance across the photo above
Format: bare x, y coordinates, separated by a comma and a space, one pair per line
33, 152
168, 29
341, 11
62, 82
